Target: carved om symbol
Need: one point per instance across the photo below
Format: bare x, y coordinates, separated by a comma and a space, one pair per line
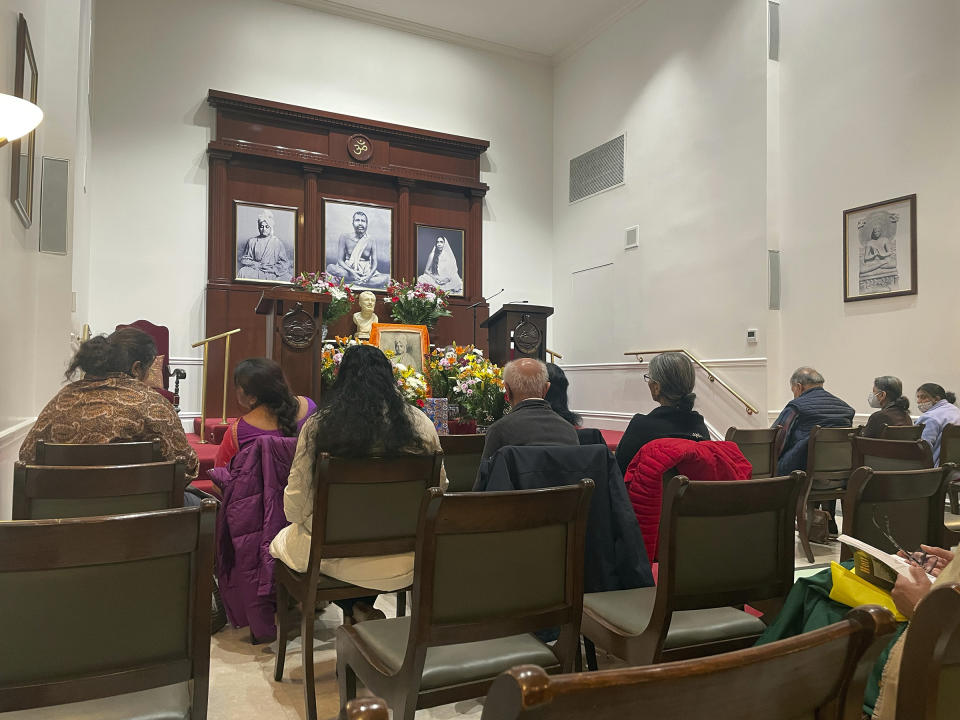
359, 147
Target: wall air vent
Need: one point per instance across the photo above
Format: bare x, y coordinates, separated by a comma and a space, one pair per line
597, 170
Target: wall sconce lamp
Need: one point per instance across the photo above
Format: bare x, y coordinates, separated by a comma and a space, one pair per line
17, 117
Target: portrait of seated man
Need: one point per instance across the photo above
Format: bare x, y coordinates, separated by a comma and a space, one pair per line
265, 256
405, 348
359, 255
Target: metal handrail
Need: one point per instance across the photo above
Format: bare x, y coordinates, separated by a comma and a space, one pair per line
553, 355
203, 383
751, 410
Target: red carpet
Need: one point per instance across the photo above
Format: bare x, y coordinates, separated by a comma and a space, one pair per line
206, 452
612, 437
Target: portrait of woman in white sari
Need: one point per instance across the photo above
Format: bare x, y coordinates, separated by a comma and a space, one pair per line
441, 268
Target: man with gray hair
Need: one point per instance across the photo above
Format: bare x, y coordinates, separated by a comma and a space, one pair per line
531, 420
811, 405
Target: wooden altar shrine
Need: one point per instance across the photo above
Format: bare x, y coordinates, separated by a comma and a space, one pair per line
294, 161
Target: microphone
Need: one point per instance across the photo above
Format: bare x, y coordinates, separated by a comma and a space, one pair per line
483, 300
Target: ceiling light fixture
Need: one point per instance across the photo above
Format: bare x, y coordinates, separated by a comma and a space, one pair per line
17, 117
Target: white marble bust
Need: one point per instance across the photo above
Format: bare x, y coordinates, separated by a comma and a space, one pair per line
365, 319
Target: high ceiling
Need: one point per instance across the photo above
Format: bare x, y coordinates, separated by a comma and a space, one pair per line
547, 28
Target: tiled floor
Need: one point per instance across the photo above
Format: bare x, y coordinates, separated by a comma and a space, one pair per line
241, 674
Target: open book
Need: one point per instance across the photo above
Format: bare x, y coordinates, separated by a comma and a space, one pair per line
876, 566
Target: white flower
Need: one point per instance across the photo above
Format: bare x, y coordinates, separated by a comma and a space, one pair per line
400, 366
338, 293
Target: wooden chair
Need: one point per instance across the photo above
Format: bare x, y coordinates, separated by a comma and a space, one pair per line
902, 432
461, 460
818, 674
881, 454
491, 568
829, 464
367, 708
69, 491
721, 544
161, 338
910, 501
125, 453
361, 508
116, 608
950, 452
929, 685
757, 446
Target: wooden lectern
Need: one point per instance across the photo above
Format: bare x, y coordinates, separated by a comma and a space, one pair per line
517, 330
294, 319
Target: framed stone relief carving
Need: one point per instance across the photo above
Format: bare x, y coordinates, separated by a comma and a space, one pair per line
23, 163
880, 249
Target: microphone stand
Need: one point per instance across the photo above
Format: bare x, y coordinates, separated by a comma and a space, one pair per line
474, 308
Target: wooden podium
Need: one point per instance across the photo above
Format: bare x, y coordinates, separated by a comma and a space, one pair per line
517, 330
294, 319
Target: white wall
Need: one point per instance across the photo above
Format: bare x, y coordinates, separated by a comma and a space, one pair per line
35, 295
869, 102
153, 65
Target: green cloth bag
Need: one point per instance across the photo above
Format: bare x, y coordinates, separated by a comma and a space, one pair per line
809, 607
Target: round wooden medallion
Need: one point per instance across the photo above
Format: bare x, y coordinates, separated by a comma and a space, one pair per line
298, 328
527, 337
360, 147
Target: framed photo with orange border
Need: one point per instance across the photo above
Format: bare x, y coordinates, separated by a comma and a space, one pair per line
408, 343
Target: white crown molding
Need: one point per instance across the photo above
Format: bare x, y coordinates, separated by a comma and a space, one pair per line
593, 33
633, 364
415, 28
185, 360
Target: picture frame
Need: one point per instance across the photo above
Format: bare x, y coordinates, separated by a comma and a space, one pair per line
880, 249
386, 335
440, 258
265, 243
358, 249
23, 164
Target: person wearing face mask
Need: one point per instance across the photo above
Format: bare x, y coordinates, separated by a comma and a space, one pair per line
891, 404
937, 406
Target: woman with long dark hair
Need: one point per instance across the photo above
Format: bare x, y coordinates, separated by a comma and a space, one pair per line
938, 410
272, 408
557, 395
892, 406
363, 415
109, 401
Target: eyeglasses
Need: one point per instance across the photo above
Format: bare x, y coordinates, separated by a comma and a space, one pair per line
884, 529
646, 377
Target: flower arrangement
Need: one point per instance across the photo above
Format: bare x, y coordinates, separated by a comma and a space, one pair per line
331, 357
341, 296
416, 303
412, 384
467, 379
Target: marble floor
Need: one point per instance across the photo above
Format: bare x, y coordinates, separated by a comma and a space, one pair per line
241, 674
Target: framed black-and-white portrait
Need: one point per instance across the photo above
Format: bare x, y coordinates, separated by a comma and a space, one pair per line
265, 243
404, 344
440, 258
358, 243
880, 249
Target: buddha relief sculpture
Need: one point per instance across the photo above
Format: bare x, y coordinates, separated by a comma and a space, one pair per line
878, 252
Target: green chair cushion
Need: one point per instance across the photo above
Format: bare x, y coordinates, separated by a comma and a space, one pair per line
453, 664
171, 702
630, 610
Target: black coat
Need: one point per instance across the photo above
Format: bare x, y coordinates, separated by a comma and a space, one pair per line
615, 556
662, 422
531, 422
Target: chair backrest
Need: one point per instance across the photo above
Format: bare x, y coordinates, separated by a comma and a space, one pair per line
120, 453
461, 460
369, 506
757, 446
725, 543
161, 338
881, 454
902, 432
910, 501
950, 444
590, 436
929, 685
823, 671
69, 491
498, 564
830, 454
102, 606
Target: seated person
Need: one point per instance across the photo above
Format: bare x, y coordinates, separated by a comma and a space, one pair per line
441, 269
938, 410
363, 415
272, 408
531, 420
670, 381
110, 402
557, 395
356, 259
887, 395
811, 406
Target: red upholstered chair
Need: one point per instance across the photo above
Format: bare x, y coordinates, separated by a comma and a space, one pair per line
161, 338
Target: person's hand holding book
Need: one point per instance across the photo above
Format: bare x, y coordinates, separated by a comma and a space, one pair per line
910, 589
933, 559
